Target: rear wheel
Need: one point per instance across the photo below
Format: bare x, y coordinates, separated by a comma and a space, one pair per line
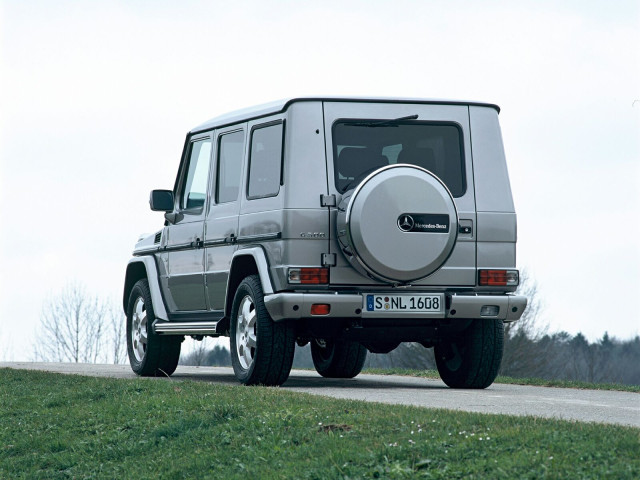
150, 355
338, 359
261, 349
472, 359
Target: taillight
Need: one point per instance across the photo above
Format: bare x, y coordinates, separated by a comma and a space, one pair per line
309, 276
498, 278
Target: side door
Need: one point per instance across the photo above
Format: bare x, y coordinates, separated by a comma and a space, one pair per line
185, 240
221, 225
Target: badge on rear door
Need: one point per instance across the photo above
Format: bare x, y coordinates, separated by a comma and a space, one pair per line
424, 222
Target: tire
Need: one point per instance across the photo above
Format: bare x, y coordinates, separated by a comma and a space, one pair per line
261, 349
338, 359
473, 359
150, 355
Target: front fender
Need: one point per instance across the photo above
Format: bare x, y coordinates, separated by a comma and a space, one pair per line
137, 269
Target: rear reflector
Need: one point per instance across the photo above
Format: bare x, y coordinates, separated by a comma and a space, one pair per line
320, 309
498, 278
313, 276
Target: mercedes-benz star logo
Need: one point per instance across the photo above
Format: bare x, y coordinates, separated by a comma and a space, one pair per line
405, 223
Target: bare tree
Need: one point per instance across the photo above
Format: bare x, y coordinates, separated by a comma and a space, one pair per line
525, 351
6, 347
200, 351
530, 324
198, 356
116, 335
72, 325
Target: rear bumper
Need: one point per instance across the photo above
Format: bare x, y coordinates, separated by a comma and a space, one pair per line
295, 306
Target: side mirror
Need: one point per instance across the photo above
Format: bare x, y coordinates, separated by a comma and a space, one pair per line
161, 200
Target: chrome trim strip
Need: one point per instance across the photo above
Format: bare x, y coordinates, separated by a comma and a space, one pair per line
185, 328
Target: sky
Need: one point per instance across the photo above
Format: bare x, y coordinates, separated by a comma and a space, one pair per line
96, 99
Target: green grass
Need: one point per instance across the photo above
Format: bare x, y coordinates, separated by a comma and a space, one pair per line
511, 380
62, 426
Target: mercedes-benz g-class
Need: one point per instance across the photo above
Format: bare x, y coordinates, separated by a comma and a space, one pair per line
352, 224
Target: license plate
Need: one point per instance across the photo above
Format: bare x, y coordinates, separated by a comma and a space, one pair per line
404, 303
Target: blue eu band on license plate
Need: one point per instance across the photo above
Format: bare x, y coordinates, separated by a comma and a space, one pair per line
403, 303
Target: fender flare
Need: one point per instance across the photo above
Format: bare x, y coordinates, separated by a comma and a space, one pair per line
262, 266
137, 269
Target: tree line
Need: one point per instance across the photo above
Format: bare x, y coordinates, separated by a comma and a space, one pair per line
559, 356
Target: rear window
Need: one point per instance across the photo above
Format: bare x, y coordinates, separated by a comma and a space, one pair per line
360, 147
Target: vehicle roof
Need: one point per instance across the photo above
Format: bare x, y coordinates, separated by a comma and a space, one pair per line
281, 105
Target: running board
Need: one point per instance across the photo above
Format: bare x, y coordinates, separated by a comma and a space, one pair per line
185, 328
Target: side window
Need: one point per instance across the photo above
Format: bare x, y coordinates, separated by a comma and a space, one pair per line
265, 161
195, 185
231, 148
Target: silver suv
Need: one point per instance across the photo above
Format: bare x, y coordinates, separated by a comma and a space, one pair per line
352, 224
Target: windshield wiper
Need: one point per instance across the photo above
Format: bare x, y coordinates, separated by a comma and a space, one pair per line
384, 123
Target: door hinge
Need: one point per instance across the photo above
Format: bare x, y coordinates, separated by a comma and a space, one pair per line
329, 260
328, 200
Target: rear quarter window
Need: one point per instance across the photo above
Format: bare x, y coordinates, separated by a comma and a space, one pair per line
265, 161
230, 151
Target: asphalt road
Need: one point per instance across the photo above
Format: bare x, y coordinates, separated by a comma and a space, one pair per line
621, 408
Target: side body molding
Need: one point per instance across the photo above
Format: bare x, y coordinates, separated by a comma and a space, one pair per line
137, 269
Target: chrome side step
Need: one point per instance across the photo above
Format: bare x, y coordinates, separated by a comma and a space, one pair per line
185, 328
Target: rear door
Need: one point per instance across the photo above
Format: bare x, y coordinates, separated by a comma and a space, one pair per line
221, 226
437, 140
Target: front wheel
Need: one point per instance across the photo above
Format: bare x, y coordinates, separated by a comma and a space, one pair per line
261, 349
150, 355
338, 359
472, 359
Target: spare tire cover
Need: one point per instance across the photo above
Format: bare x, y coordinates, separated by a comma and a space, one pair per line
399, 224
